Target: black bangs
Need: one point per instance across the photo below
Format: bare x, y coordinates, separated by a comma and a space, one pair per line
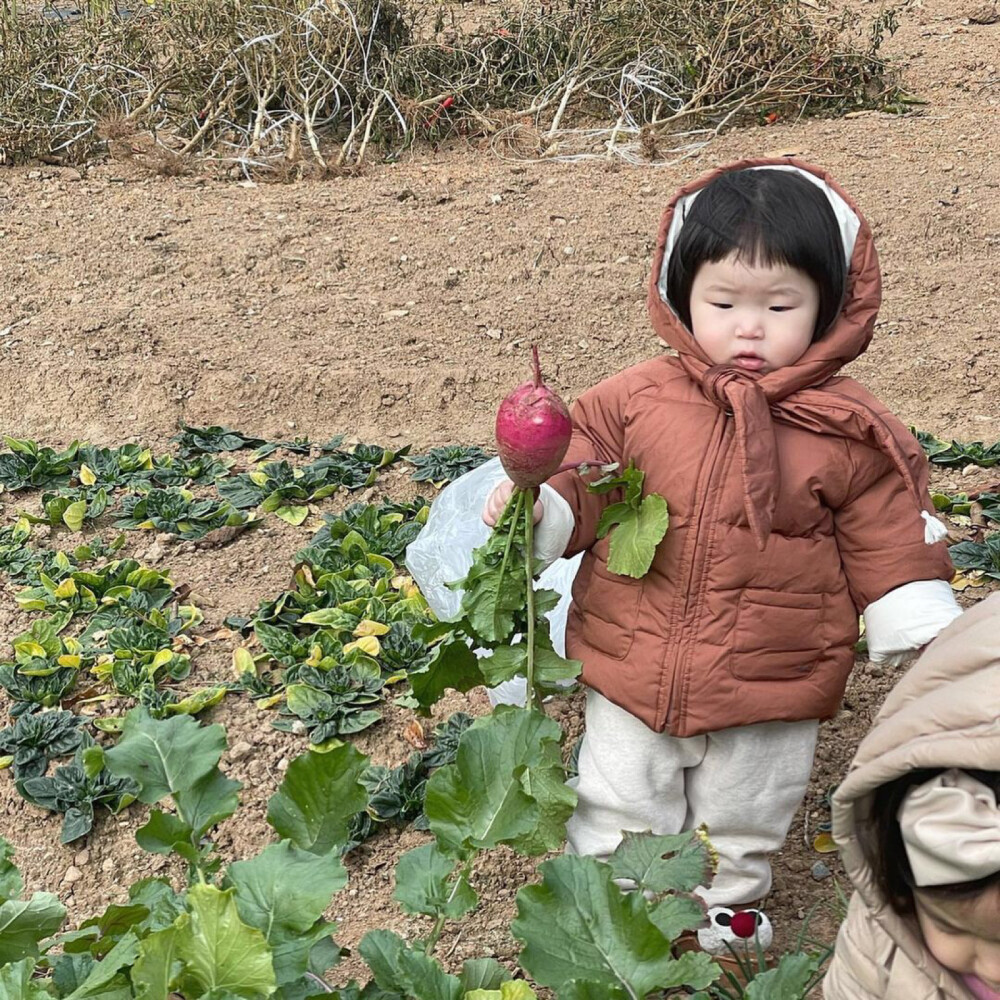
766, 217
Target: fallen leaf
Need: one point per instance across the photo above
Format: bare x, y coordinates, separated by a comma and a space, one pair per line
824, 844
413, 733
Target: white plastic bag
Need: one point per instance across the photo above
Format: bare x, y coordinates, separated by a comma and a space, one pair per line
442, 552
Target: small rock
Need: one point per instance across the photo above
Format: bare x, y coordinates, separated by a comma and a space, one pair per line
81, 859
569, 251
820, 871
983, 13
34, 175
395, 313
646, 191
73, 874
404, 194
970, 470
299, 728
494, 333
108, 865
282, 764
496, 199
240, 750
154, 553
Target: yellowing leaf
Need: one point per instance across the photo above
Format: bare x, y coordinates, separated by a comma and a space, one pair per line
87, 476
29, 648
292, 515
69, 661
824, 844
368, 645
961, 581
5, 762
367, 627
162, 658
243, 662
66, 589
74, 514
275, 699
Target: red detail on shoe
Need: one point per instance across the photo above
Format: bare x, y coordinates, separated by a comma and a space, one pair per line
744, 924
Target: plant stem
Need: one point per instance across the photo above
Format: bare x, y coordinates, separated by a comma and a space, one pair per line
529, 572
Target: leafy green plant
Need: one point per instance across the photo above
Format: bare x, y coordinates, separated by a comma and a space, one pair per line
28, 465
983, 557
198, 440
112, 468
285, 490
78, 788
961, 504
177, 511
347, 538
37, 738
333, 702
959, 452
45, 667
71, 507
179, 758
445, 465
23, 924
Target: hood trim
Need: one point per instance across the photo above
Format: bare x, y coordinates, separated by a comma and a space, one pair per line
847, 220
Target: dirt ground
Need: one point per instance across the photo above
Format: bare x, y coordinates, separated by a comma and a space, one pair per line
398, 306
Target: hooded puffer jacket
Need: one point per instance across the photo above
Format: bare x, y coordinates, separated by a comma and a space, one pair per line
945, 712
795, 502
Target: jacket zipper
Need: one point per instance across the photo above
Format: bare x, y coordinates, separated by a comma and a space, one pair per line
698, 559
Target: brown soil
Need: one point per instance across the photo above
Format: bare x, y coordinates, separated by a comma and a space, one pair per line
398, 305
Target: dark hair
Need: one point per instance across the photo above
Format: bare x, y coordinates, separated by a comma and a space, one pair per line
882, 841
771, 217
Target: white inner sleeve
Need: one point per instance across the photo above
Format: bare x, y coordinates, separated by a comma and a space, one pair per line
553, 531
908, 617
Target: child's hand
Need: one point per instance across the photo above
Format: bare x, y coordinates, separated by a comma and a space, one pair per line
497, 501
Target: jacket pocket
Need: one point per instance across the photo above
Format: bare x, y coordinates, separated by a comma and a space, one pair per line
778, 636
607, 610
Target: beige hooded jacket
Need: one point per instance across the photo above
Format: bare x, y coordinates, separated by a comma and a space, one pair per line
944, 713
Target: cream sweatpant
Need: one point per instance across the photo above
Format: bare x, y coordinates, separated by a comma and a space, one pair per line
744, 784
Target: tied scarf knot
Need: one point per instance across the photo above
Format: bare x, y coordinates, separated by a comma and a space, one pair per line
740, 395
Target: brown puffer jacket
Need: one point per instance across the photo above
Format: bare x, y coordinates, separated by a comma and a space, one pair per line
945, 712
795, 501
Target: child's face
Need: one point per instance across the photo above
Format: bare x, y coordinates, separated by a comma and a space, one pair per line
963, 934
757, 318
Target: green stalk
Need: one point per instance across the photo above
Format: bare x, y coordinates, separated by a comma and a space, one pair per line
529, 571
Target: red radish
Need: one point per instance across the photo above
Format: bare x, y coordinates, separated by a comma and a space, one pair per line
533, 431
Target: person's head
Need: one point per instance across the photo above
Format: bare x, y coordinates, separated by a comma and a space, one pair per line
933, 840
758, 271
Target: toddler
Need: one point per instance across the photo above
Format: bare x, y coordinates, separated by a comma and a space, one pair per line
918, 823
797, 501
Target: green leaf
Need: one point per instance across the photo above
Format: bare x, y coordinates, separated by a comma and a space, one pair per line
787, 981
158, 964
165, 756
424, 884
25, 922
282, 892
453, 665
121, 956
484, 974
480, 800
676, 914
163, 833
319, 796
292, 515
639, 531
677, 863
16, 982
399, 968
11, 883
218, 950
578, 925
208, 801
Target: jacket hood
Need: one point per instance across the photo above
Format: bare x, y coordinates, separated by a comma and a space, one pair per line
853, 328
943, 713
